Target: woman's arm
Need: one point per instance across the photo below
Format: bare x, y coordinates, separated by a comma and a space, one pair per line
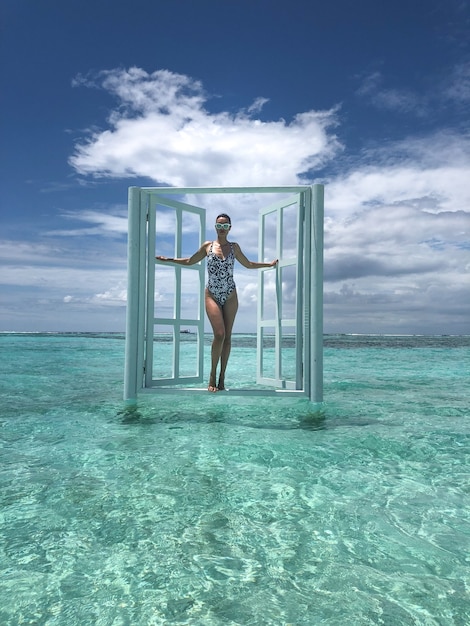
191, 260
251, 265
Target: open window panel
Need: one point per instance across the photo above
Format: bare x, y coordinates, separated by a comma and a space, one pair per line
280, 296
175, 295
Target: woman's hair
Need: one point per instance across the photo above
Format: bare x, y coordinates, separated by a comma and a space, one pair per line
227, 217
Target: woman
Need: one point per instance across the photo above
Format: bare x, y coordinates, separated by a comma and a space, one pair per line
221, 293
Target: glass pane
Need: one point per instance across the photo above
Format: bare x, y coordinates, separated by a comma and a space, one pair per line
189, 294
188, 351
289, 231
289, 300
190, 235
165, 230
268, 295
270, 229
288, 342
165, 291
268, 352
163, 346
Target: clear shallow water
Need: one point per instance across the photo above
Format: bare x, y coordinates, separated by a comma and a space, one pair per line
255, 512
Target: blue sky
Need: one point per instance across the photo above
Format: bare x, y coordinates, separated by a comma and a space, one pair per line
369, 97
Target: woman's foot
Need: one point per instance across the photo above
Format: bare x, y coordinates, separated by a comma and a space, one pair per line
212, 386
221, 385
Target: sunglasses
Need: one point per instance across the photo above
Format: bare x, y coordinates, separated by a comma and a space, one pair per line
222, 226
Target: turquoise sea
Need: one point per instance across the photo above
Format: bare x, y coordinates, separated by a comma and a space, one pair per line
224, 510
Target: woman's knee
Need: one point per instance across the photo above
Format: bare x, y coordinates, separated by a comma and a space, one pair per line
219, 334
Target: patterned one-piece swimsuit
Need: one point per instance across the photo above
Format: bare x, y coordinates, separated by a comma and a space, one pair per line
220, 275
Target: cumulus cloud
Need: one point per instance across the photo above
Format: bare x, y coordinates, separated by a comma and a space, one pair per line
412, 202
397, 242
161, 129
116, 295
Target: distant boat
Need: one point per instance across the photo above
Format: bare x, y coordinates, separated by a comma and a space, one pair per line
185, 331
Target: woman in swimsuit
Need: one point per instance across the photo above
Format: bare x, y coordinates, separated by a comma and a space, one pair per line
221, 293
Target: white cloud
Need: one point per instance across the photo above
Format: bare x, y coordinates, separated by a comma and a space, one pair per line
397, 242
161, 130
428, 173
62, 284
104, 223
392, 99
257, 105
451, 90
457, 87
61, 279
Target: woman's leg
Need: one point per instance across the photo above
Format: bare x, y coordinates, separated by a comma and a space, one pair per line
229, 311
216, 318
